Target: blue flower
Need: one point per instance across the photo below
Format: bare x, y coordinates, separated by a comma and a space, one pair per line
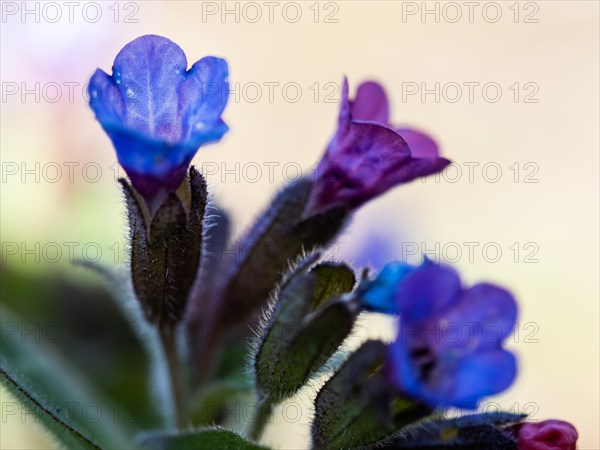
380, 295
156, 112
448, 351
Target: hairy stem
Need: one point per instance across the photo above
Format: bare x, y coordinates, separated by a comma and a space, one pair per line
175, 378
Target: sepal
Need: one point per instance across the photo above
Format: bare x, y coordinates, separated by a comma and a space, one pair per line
166, 243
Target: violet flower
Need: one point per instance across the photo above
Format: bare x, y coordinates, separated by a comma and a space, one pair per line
156, 112
366, 157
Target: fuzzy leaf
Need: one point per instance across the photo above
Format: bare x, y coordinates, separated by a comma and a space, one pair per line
298, 340
320, 336
62, 430
215, 402
167, 227
357, 407
53, 392
272, 370
278, 238
216, 239
91, 323
332, 280
208, 439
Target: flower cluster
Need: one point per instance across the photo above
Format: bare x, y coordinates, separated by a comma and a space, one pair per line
157, 113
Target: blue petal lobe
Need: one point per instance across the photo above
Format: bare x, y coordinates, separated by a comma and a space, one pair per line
404, 373
203, 97
380, 294
427, 291
106, 99
480, 375
486, 314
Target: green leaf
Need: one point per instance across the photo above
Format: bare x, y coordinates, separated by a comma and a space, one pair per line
275, 375
332, 280
279, 238
55, 393
299, 340
208, 439
211, 403
49, 416
77, 313
320, 336
357, 407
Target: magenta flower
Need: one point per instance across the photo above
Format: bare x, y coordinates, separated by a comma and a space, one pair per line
547, 435
366, 157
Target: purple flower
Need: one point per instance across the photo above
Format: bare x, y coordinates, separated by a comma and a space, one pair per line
371, 104
156, 112
366, 157
448, 351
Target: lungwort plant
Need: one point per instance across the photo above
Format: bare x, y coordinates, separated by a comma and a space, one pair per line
248, 332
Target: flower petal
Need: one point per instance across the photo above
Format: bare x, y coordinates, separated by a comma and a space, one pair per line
547, 435
156, 113
421, 167
364, 159
371, 103
149, 71
485, 314
428, 291
106, 100
421, 144
203, 96
380, 294
359, 164
480, 375
150, 164
344, 123
402, 371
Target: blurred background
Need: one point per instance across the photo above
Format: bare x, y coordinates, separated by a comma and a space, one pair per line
509, 89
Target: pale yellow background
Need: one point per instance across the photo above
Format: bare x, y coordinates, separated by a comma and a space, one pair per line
559, 134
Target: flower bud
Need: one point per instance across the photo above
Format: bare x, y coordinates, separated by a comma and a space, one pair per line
547, 435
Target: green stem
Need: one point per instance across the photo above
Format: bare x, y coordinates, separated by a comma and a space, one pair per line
176, 391
207, 349
263, 414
